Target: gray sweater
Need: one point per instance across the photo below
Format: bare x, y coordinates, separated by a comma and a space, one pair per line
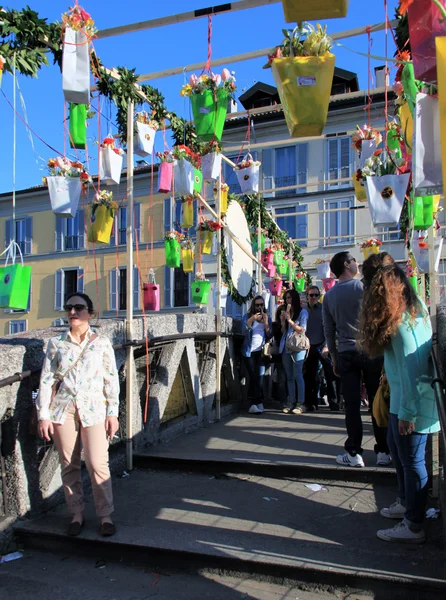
340, 312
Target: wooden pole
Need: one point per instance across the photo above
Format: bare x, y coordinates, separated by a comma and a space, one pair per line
259, 251
433, 297
129, 321
218, 312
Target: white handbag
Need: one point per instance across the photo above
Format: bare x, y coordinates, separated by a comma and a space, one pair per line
211, 166
110, 166
183, 174
144, 139
65, 193
76, 67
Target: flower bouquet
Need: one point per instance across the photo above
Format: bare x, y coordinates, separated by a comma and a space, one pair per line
145, 130
247, 172
172, 248
187, 212
151, 292
200, 288
296, 11
65, 182
165, 171
255, 240
275, 285
100, 217
323, 268
206, 229
78, 27
209, 96
303, 70
2, 65
370, 246
412, 275
223, 197
211, 160
186, 170
110, 161
187, 255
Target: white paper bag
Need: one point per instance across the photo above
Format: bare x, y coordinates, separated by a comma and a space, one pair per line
385, 196
248, 179
76, 67
144, 139
266, 295
110, 166
211, 165
183, 173
65, 193
421, 255
224, 292
323, 270
427, 171
368, 147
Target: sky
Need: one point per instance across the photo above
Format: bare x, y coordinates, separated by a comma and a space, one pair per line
155, 50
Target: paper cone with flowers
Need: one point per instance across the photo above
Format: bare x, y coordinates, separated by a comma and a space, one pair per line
205, 230
371, 246
65, 181
144, 134
110, 161
323, 268
78, 27
200, 288
296, 11
211, 160
209, 95
100, 217
185, 165
303, 69
248, 172
172, 249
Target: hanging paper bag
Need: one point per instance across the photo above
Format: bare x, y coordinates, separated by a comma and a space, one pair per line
359, 186
441, 77
423, 212
266, 295
172, 250
248, 178
420, 250
165, 174
278, 257
413, 280
99, 224
15, 281
110, 166
187, 213
144, 139
328, 283
224, 293
410, 86
283, 267
406, 120
183, 172
323, 270
368, 147
393, 143
272, 270
65, 193
296, 11
255, 247
76, 67
198, 180
78, 126
211, 165
151, 294
299, 284
187, 258
369, 250
426, 22
386, 198
304, 86
267, 259
209, 112
427, 173
200, 291
275, 287
206, 238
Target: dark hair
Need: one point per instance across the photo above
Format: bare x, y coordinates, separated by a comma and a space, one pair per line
84, 297
295, 303
371, 265
280, 309
337, 266
313, 287
252, 307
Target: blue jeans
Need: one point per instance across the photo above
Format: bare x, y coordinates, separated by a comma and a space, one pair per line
408, 454
294, 375
255, 366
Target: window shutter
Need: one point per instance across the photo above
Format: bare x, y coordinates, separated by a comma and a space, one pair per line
267, 172
302, 166
81, 228
302, 225
113, 289
28, 235
345, 153
136, 288
137, 221
8, 232
114, 233
333, 156
58, 296
167, 287
168, 214
59, 234
190, 302
80, 280
193, 230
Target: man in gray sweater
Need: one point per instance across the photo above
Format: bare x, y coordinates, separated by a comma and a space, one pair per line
341, 308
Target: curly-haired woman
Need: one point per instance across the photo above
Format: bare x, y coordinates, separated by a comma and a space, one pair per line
394, 321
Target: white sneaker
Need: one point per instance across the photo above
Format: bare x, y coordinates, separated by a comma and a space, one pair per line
347, 460
383, 459
254, 410
395, 511
401, 533
261, 407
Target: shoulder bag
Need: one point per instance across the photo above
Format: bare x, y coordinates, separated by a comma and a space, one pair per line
297, 342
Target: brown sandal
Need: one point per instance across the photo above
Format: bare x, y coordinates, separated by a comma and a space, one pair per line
108, 529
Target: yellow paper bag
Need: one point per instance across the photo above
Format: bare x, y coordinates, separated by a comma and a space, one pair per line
406, 119
206, 239
440, 43
298, 10
187, 258
360, 194
100, 224
304, 86
187, 213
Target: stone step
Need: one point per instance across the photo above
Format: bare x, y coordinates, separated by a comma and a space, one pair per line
271, 528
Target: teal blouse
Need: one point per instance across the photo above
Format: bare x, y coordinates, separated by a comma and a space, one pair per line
409, 370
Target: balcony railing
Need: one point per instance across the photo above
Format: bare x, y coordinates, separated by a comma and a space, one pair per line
283, 182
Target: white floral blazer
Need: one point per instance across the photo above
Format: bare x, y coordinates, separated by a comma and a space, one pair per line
92, 384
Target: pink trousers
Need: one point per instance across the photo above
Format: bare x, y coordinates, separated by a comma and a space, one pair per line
69, 437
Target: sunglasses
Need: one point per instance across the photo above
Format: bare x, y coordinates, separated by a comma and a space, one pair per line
351, 260
313, 295
77, 307
259, 305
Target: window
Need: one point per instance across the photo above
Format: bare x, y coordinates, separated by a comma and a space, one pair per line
339, 224
172, 216
118, 289
339, 166
119, 233
296, 226
21, 232
282, 167
390, 234
177, 288
17, 326
70, 233
68, 281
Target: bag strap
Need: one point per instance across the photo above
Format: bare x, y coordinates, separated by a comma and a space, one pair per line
71, 367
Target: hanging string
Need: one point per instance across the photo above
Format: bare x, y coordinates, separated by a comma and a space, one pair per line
14, 145
386, 70
369, 68
207, 66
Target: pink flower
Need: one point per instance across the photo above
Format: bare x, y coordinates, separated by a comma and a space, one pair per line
60, 162
225, 74
217, 80
398, 88
85, 16
193, 79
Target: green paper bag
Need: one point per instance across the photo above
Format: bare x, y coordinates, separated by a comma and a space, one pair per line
78, 126
210, 113
278, 257
283, 268
255, 247
200, 291
15, 283
299, 284
172, 248
198, 180
423, 212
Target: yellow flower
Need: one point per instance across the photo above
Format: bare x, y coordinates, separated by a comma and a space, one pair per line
186, 90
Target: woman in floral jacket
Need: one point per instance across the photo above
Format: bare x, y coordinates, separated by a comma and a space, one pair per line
78, 404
